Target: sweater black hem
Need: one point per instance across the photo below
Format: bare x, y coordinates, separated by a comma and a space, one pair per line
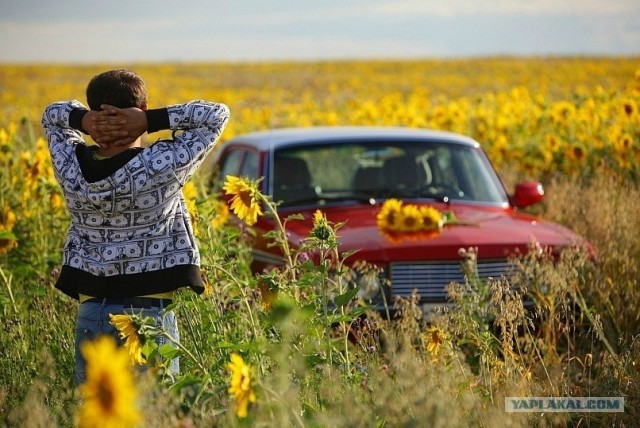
73, 281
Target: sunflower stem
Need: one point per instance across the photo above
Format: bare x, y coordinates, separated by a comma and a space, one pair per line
284, 243
7, 282
184, 349
345, 326
254, 325
325, 304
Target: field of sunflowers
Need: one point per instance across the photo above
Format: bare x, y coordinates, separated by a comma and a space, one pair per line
265, 350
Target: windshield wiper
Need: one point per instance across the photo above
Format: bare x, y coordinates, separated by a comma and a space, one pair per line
440, 197
299, 201
362, 198
441, 194
412, 194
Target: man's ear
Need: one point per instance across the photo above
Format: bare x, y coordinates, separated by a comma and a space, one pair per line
143, 106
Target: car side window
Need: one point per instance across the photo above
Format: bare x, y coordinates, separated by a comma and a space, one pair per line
231, 163
250, 165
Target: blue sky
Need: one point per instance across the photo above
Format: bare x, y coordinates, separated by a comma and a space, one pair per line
253, 30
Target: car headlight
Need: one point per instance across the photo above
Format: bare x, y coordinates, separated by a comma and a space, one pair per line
369, 285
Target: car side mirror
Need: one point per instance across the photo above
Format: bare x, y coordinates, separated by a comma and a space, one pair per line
527, 193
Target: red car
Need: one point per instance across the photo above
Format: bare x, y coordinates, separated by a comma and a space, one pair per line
349, 172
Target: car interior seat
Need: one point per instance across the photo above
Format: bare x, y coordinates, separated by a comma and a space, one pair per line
292, 181
367, 179
403, 173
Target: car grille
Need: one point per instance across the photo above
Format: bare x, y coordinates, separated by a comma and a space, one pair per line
430, 279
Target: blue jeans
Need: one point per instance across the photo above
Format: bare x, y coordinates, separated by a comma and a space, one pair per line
93, 320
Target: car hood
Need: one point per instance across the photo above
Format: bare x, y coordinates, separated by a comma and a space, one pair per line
497, 232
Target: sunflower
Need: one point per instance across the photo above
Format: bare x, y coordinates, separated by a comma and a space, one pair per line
389, 216
56, 201
624, 143
7, 238
129, 331
190, 195
208, 288
431, 218
321, 229
630, 108
434, 337
410, 218
562, 112
8, 219
552, 143
7, 242
241, 384
109, 394
576, 152
318, 218
623, 161
220, 214
245, 202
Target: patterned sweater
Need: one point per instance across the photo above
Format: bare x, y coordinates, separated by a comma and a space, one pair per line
130, 233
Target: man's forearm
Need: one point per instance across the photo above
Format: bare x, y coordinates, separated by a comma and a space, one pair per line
157, 119
75, 119
57, 114
199, 114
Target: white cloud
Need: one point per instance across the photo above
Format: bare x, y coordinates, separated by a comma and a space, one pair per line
84, 30
448, 8
77, 41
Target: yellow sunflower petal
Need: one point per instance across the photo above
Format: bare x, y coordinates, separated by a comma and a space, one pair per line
410, 219
129, 331
241, 385
389, 216
109, 393
245, 201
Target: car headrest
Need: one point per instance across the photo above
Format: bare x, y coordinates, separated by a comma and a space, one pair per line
291, 171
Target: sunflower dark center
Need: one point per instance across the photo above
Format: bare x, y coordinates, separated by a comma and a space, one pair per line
628, 109
391, 218
245, 197
106, 394
428, 221
410, 221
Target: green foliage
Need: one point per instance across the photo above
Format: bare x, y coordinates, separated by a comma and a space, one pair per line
319, 362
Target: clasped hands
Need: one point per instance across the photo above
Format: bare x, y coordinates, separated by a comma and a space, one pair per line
113, 126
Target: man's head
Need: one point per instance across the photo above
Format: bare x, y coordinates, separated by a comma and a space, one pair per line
119, 88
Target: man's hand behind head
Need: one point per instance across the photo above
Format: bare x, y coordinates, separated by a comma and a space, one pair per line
114, 127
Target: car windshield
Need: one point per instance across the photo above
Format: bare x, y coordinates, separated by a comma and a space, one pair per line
320, 174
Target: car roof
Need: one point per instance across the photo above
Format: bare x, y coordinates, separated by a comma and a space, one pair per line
282, 137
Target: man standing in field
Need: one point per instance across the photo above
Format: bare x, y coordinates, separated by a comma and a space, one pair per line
131, 242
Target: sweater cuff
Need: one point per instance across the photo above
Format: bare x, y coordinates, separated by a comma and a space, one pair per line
157, 119
75, 119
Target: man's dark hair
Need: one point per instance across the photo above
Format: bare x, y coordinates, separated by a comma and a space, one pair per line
120, 88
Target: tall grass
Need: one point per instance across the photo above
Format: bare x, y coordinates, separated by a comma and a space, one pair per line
493, 347
604, 211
